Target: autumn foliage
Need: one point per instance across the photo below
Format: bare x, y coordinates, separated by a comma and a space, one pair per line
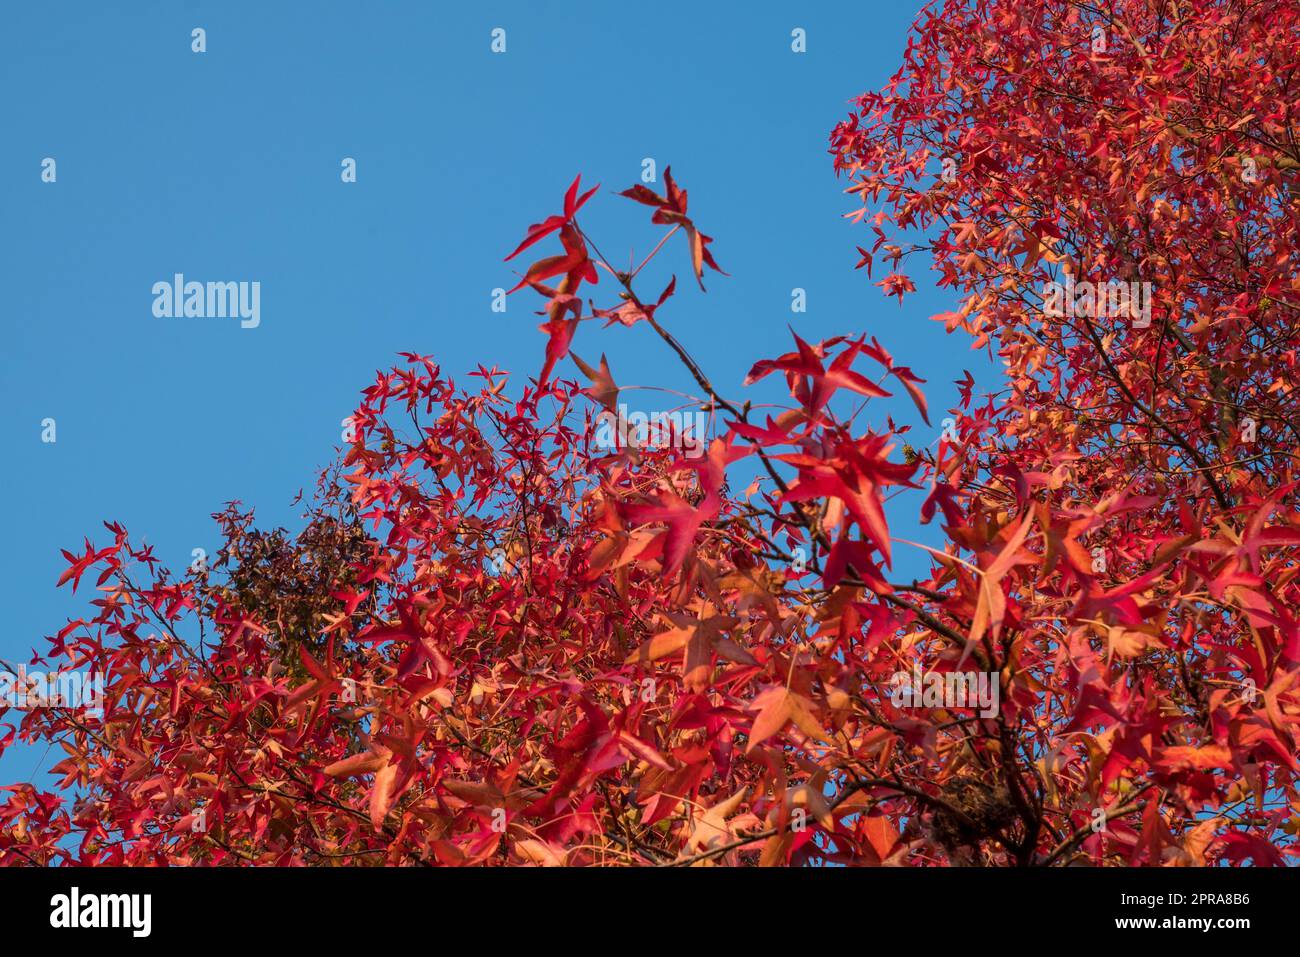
497, 641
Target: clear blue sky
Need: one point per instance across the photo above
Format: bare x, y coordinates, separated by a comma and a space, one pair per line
225, 166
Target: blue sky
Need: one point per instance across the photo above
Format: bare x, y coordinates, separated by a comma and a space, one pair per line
225, 166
